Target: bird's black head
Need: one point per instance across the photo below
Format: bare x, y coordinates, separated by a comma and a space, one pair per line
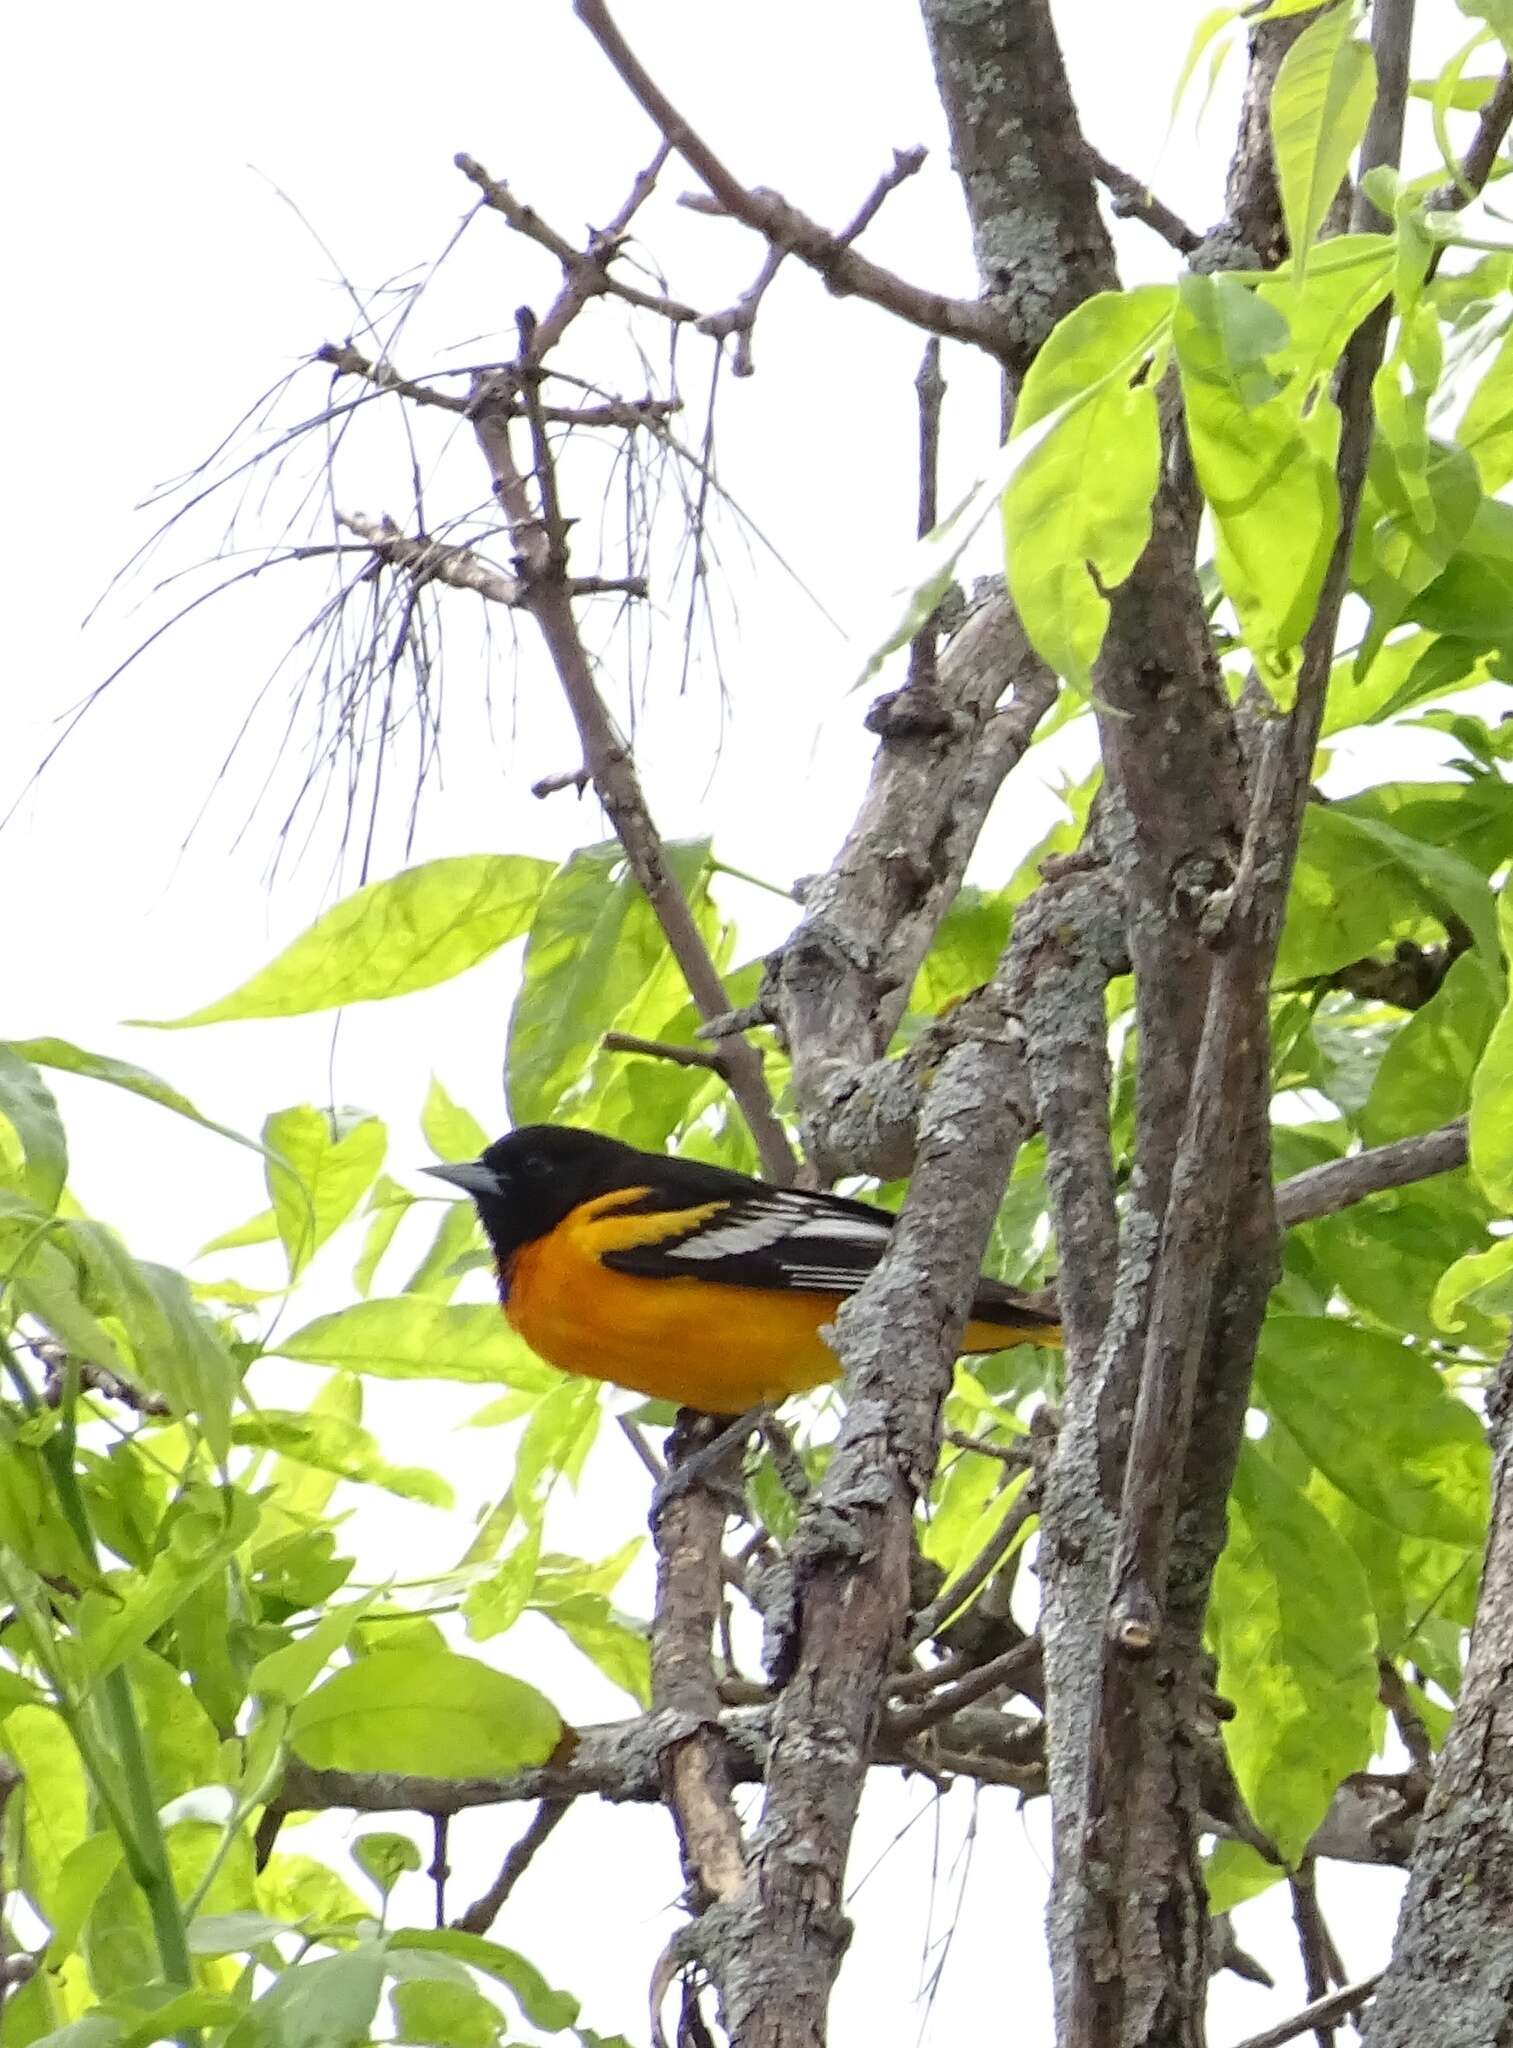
524, 1184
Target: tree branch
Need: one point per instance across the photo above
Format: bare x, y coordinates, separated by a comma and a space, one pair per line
1339, 2005
1341, 1183
542, 543
784, 226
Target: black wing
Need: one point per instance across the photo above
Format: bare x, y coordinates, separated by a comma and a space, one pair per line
763, 1236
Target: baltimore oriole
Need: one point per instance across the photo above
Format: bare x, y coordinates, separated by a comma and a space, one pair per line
684, 1281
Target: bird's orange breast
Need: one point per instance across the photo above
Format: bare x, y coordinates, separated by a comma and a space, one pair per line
702, 1343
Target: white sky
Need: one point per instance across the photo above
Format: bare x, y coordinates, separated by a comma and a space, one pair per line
162, 284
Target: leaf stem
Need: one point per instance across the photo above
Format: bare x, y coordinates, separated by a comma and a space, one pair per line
142, 1839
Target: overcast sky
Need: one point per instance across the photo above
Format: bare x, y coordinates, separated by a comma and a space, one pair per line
190, 188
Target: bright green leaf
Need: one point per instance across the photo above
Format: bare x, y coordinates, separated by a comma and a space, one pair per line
1077, 513
320, 1165
542, 2006
419, 928
451, 1131
412, 1338
1291, 1618
1319, 108
388, 1712
1380, 1423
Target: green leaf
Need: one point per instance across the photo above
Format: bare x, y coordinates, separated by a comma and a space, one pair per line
1234, 1873
457, 1233
388, 1205
288, 1674
1425, 1075
1291, 1618
1388, 1255
412, 1338
332, 1444
1380, 1424
450, 1715
385, 1857
419, 928
1486, 425
1492, 1090
324, 2004
259, 1229
594, 942
95, 1066
1077, 512
201, 1536
542, 2006
451, 1131
444, 2015
233, 1934
320, 1165
1402, 674
41, 1155
613, 1643
1349, 897
177, 1351
1266, 468
1481, 1280
1319, 109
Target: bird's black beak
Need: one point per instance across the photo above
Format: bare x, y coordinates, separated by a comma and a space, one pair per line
471, 1175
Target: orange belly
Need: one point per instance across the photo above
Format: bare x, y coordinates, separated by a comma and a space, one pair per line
699, 1343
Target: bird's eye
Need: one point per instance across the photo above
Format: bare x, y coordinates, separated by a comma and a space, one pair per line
535, 1164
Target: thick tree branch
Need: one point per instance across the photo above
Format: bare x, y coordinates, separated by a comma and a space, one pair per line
774, 1950
1450, 1980
838, 986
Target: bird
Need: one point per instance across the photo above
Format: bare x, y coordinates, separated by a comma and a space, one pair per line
684, 1281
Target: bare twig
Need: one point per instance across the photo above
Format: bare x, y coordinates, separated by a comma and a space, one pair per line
950, 1699
930, 388
487, 1907
433, 561
1320, 1958
843, 269
541, 540
740, 318
961, 1590
1339, 2005
586, 273
1340, 1183
1132, 200
658, 1049
1477, 164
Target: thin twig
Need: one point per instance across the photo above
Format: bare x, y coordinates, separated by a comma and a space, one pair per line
950, 1699
1320, 1957
487, 1907
541, 540
1341, 1183
1131, 200
1339, 2005
940, 1610
656, 1048
1477, 163
1017, 1455
930, 389
843, 269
